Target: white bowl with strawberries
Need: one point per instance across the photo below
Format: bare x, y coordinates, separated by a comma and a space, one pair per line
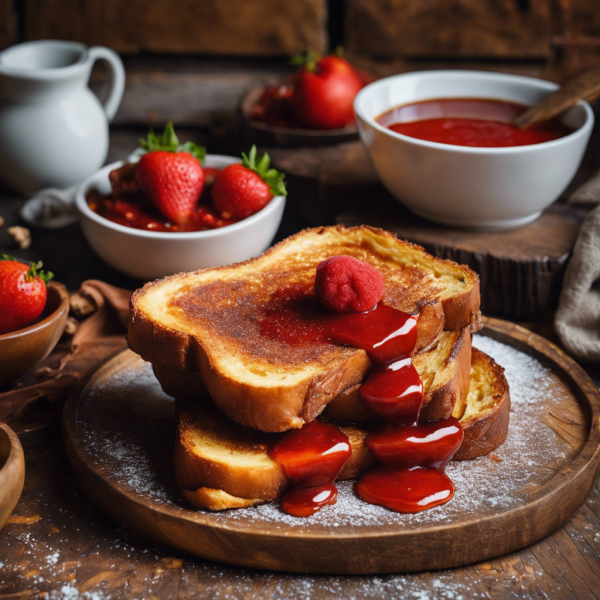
176, 209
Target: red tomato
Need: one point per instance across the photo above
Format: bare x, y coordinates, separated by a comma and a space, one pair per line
323, 98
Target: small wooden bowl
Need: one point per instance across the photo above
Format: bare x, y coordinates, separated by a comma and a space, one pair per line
20, 350
12, 472
266, 135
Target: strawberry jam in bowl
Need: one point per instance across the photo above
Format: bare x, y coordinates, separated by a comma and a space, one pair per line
175, 209
132, 208
476, 122
443, 144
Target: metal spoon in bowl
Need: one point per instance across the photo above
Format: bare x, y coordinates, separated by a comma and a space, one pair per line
584, 87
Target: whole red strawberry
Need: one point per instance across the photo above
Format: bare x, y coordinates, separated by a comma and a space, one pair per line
171, 175
324, 92
346, 284
243, 189
23, 294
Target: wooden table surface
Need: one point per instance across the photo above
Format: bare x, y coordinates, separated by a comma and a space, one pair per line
58, 545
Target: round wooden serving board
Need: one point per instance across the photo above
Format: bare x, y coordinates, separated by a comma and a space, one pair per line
119, 433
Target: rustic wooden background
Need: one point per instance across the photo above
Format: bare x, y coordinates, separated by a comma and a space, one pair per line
191, 61
382, 29
550, 38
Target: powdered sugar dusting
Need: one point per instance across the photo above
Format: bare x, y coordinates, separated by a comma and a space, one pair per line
485, 486
70, 592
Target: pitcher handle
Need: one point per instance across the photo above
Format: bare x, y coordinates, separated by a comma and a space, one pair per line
116, 78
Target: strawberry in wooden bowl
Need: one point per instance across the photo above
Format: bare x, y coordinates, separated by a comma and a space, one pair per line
312, 107
33, 313
160, 215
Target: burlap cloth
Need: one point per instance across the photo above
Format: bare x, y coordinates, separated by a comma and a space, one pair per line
577, 320
38, 396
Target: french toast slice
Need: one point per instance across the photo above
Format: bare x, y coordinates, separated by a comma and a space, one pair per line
269, 372
220, 464
444, 370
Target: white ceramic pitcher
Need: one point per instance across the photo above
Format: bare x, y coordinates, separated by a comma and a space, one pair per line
53, 129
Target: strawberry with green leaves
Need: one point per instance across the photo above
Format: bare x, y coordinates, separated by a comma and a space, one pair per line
324, 91
243, 189
23, 293
171, 174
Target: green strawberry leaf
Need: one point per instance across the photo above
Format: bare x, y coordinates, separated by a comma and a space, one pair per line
35, 271
169, 139
8, 257
169, 142
198, 151
272, 177
308, 61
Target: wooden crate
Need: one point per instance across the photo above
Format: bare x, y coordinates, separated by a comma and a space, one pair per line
449, 28
237, 27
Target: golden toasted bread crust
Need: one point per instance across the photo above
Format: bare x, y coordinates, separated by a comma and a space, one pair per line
192, 321
211, 499
450, 397
189, 385
445, 371
218, 482
485, 426
205, 451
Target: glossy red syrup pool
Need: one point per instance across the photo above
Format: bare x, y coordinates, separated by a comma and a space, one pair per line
478, 122
312, 458
412, 456
406, 490
294, 316
128, 206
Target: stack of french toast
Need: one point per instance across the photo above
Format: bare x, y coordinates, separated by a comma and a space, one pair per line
238, 349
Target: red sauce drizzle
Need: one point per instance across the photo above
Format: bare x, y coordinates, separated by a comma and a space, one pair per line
312, 458
293, 316
412, 456
478, 122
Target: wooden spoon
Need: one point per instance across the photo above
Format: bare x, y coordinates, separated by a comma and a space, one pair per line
584, 87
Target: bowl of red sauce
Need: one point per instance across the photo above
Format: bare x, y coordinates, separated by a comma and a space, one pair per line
443, 144
129, 234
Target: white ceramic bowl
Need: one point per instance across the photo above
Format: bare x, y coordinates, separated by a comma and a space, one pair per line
152, 254
483, 188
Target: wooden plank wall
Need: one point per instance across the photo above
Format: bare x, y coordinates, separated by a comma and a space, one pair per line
442, 28
380, 29
231, 27
549, 38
